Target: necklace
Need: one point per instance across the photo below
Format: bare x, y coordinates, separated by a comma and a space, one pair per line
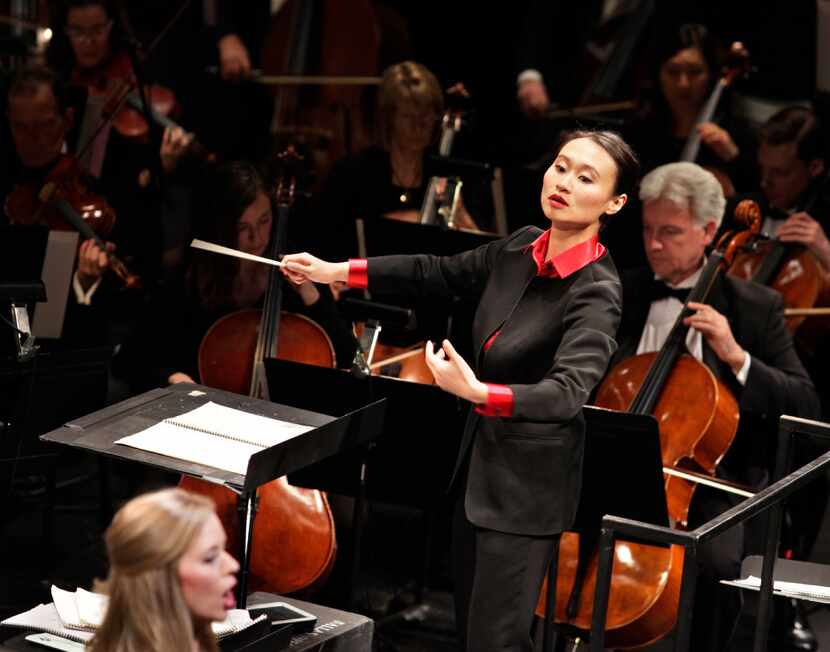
405, 186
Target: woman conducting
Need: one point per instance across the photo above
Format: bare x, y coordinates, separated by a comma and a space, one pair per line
548, 308
169, 578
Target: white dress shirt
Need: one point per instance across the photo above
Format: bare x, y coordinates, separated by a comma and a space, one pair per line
661, 318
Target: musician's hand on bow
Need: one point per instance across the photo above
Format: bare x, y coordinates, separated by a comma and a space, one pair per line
533, 98
453, 374
173, 146
718, 140
803, 229
305, 267
92, 261
234, 60
716, 330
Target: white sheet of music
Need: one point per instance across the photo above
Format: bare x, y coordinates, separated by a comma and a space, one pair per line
214, 435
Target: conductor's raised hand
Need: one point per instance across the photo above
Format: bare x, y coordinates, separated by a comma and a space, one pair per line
453, 374
305, 267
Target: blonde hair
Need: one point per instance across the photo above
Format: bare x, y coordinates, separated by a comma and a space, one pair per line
406, 83
145, 542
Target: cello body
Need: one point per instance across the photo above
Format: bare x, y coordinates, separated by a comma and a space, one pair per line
797, 275
645, 585
294, 545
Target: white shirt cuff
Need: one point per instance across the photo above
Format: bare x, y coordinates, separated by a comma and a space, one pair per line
743, 372
531, 74
84, 298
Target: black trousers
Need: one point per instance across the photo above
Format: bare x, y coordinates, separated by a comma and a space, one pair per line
498, 577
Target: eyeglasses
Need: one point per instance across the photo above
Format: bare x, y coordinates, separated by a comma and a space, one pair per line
94, 33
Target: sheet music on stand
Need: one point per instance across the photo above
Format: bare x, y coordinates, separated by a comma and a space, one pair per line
800, 580
328, 435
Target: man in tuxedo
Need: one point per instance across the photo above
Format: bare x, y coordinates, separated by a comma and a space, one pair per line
738, 333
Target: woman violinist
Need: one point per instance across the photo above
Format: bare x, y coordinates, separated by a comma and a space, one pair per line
89, 52
548, 308
214, 286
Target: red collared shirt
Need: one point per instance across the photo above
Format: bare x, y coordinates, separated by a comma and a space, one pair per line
500, 397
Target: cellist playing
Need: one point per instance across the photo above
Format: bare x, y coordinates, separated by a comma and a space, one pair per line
740, 335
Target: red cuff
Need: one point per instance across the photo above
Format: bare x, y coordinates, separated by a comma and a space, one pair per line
499, 401
358, 273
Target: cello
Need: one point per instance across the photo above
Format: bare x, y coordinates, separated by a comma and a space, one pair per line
294, 543
737, 65
794, 272
694, 437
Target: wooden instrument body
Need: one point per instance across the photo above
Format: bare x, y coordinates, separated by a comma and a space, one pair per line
645, 585
226, 354
694, 433
294, 546
799, 279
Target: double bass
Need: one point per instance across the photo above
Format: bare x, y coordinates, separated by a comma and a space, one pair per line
294, 544
694, 437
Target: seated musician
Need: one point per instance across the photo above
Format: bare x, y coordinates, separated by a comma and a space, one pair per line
170, 576
89, 52
685, 68
739, 334
687, 64
792, 157
40, 120
240, 216
391, 177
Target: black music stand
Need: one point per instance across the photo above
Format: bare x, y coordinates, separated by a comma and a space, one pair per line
622, 475
390, 469
422, 430
97, 432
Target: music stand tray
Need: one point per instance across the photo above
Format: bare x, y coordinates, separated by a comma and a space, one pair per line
97, 432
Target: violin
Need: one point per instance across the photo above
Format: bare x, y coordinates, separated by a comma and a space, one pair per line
696, 430
65, 202
114, 83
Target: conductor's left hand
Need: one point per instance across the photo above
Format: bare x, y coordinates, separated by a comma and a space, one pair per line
453, 374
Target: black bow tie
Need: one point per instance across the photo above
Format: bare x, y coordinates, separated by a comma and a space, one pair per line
659, 290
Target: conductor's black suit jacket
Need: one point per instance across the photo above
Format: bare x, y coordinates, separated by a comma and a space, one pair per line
777, 383
556, 339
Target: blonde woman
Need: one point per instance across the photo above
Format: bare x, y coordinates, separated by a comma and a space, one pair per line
389, 178
170, 575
